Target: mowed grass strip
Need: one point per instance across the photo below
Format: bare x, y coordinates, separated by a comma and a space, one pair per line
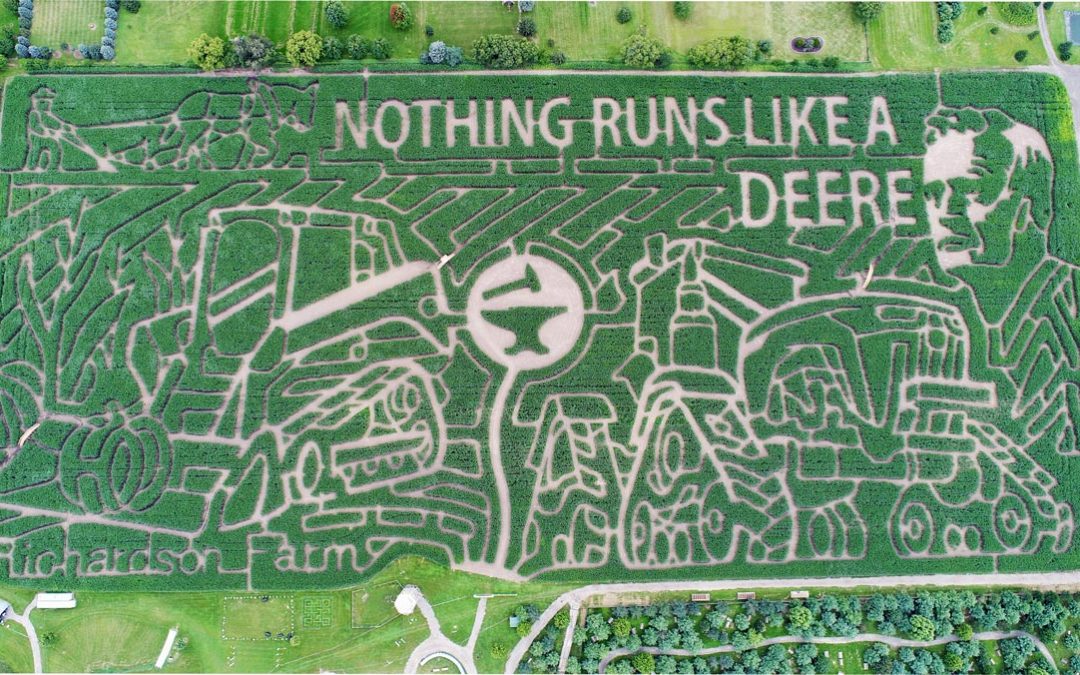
59, 22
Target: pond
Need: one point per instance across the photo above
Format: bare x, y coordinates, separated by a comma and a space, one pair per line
1072, 27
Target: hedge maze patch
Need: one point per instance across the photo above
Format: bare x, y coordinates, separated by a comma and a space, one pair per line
277, 332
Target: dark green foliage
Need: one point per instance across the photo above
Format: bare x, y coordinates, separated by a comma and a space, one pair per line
381, 49
253, 51
764, 47
526, 27
504, 51
994, 30
1020, 55
429, 30
336, 14
558, 58
1064, 50
624, 15
682, 9
12, 6
1033, 35
1017, 13
132, 6
830, 62
358, 47
983, 10
726, 53
643, 51
332, 49
866, 12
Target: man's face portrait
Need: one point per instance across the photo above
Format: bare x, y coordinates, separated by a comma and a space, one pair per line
986, 178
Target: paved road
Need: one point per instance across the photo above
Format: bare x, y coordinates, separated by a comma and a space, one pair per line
31, 634
1047, 580
891, 640
438, 644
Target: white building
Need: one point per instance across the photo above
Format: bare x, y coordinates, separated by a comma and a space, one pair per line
55, 601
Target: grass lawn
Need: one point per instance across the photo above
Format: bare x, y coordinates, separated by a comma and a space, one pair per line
1055, 19
225, 631
161, 32
15, 656
68, 22
903, 38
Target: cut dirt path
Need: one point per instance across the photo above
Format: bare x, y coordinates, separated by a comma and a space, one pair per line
31, 634
891, 640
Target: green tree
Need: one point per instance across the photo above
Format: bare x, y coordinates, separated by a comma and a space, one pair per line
336, 14
381, 49
922, 628
620, 628
132, 6
1021, 55
504, 51
400, 16
253, 51
303, 49
498, 650
358, 46
207, 52
800, 617
332, 49
526, 27
964, 631
643, 662
624, 15
866, 11
641, 50
728, 53
682, 10
562, 619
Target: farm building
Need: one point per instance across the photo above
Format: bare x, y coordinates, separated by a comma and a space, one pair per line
55, 601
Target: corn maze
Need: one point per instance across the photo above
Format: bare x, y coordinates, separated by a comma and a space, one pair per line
276, 332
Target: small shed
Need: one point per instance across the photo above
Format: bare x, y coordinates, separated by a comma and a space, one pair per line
700, 597
515, 621
746, 595
55, 601
800, 595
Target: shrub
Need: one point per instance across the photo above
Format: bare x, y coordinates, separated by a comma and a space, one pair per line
207, 52
454, 56
764, 47
429, 30
25, 13
1065, 51
108, 53
115, 4
253, 51
22, 51
800, 42
526, 27
994, 30
358, 47
336, 14
1021, 55
504, 51
25, 23
400, 16
727, 53
624, 15
7, 46
437, 52
111, 13
526, 5
831, 62
381, 49
1017, 13
983, 10
641, 50
945, 32
558, 58
332, 49
132, 6
682, 10
36, 52
866, 11
303, 49
110, 24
